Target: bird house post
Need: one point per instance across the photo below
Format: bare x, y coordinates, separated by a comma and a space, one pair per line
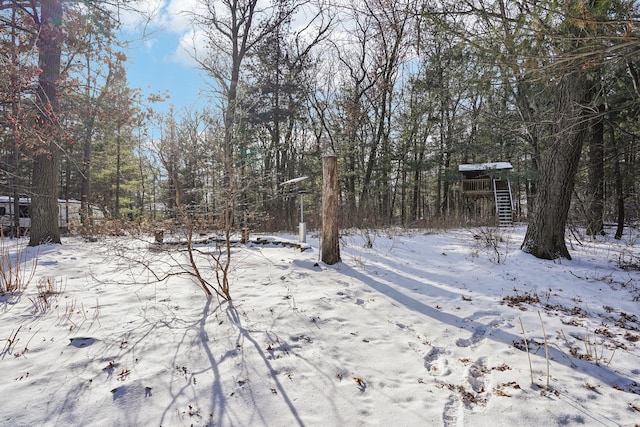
302, 226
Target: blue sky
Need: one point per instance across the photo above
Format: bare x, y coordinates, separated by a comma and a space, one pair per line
157, 63
154, 71
161, 61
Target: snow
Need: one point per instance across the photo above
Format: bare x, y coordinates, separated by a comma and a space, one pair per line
484, 166
422, 328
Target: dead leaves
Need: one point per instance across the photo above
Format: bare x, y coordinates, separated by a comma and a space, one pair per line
123, 375
500, 390
362, 385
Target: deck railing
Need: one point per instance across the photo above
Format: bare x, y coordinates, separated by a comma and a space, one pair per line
477, 185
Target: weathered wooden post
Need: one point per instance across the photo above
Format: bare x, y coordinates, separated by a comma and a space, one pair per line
159, 236
330, 237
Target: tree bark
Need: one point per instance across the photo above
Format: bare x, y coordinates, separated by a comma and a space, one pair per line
116, 204
330, 235
619, 184
44, 199
545, 236
596, 177
85, 183
14, 138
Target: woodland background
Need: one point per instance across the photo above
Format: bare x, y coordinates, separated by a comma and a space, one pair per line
401, 91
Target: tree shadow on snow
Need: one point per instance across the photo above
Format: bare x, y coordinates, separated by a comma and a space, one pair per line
477, 329
244, 334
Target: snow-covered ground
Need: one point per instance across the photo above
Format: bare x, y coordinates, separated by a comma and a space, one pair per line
418, 329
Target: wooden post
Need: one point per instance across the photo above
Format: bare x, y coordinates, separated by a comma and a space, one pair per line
330, 237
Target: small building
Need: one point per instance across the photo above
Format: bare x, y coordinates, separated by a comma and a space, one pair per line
68, 213
486, 192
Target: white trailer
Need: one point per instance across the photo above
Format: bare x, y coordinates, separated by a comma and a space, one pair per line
68, 212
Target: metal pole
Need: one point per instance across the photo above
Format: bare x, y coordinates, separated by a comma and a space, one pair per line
303, 227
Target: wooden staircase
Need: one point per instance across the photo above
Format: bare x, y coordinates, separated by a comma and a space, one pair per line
504, 207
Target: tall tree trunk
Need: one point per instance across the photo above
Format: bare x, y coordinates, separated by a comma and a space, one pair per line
365, 195
596, 176
116, 207
619, 183
545, 236
415, 189
44, 200
85, 177
85, 185
15, 108
143, 181
15, 228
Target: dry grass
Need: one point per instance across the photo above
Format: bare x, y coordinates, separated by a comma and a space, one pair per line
48, 290
16, 269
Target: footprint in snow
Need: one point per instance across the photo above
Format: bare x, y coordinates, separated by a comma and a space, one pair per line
80, 342
478, 334
452, 415
435, 360
476, 375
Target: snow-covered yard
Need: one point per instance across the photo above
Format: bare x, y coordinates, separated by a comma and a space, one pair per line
419, 329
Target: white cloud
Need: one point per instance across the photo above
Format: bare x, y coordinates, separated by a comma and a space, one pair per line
149, 43
151, 18
160, 15
191, 44
178, 15
143, 14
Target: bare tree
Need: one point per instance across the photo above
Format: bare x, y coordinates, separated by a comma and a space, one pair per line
377, 42
233, 29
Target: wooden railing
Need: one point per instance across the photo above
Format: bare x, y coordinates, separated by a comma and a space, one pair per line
477, 186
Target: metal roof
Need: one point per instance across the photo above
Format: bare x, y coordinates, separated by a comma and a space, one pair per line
484, 166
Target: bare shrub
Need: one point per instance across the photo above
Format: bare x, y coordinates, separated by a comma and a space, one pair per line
492, 241
186, 250
16, 269
11, 342
628, 260
586, 347
48, 290
369, 238
220, 259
